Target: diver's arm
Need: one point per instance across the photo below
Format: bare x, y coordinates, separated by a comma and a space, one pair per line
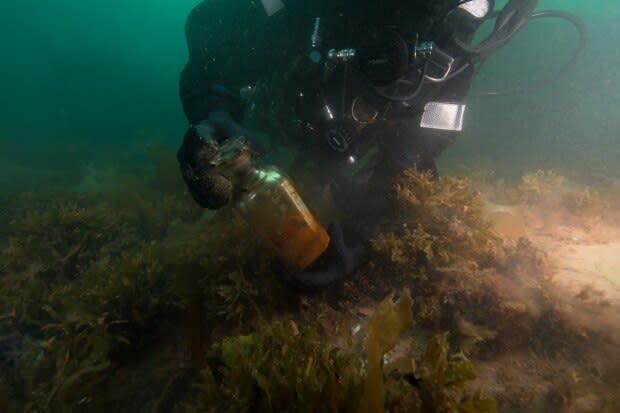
204, 82
213, 110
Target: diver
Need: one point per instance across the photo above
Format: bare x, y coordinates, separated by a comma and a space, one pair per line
365, 86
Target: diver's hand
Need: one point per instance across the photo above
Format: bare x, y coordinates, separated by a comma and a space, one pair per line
337, 262
220, 126
209, 188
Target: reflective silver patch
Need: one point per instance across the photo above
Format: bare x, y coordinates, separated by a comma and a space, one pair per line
272, 6
477, 8
443, 116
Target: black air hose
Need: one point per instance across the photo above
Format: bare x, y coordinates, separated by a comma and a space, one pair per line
583, 36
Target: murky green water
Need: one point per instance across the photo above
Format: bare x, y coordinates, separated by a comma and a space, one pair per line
100, 77
118, 294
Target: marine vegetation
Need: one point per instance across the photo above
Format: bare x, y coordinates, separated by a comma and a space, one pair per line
72, 324
285, 367
537, 186
122, 296
110, 314
441, 237
586, 202
464, 278
440, 224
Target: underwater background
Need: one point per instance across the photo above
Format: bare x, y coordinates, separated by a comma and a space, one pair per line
86, 83
109, 284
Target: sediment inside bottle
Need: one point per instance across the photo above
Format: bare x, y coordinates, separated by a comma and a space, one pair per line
279, 216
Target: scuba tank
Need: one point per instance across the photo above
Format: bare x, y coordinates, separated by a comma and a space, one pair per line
266, 198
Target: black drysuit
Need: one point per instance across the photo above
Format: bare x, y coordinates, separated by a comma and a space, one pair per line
234, 43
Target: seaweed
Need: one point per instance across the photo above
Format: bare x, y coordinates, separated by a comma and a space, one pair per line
107, 183
112, 313
98, 297
389, 321
62, 241
443, 377
440, 246
237, 297
285, 367
152, 202
134, 293
586, 202
536, 187
281, 367
230, 270
81, 294
470, 335
441, 223
462, 275
71, 362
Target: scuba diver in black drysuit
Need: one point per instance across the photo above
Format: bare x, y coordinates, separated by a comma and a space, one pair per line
391, 75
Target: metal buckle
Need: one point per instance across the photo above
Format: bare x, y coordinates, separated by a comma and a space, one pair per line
441, 60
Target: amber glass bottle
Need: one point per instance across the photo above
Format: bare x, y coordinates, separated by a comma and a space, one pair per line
267, 199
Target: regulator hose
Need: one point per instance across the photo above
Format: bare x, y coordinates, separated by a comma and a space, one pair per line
583, 36
509, 21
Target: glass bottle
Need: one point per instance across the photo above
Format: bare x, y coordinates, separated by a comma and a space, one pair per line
267, 199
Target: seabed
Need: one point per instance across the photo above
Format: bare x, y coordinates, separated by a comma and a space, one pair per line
118, 294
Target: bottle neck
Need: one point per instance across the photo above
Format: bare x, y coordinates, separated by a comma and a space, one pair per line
248, 178
245, 181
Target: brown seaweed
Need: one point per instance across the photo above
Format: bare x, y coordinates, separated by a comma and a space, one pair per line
389, 321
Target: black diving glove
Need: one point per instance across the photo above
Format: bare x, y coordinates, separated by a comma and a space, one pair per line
337, 262
208, 187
